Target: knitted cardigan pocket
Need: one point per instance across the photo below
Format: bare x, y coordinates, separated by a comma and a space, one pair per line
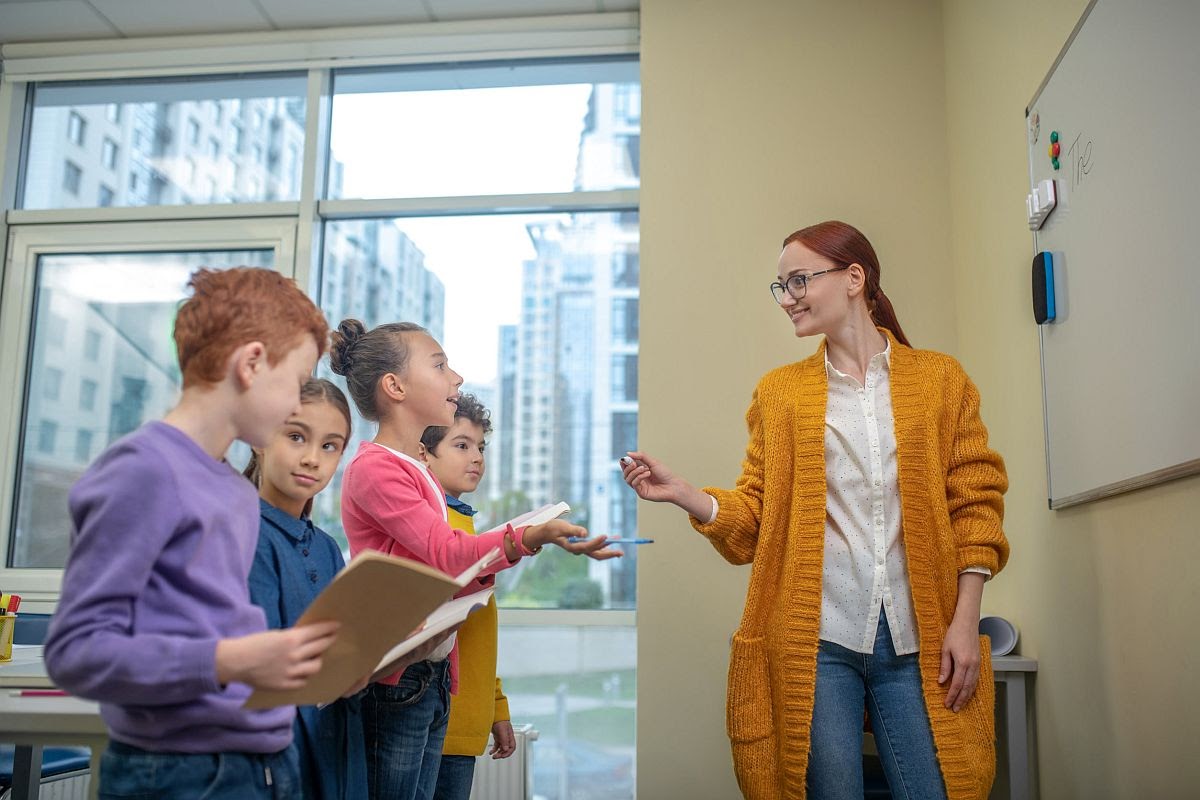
980, 718
748, 713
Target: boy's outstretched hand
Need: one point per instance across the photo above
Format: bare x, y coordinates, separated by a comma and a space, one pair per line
278, 659
561, 533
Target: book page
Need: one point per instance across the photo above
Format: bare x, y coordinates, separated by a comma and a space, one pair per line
446, 616
538, 516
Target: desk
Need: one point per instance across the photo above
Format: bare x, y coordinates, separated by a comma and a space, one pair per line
30, 723
1013, 672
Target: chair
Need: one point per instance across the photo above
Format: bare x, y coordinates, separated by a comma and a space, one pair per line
31, 628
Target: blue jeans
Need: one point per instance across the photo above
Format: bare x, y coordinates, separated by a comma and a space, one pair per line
455, 778
131, 773
890, 688
405, 726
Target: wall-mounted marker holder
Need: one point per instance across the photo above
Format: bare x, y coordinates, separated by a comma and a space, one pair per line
1040, 202
1043, 288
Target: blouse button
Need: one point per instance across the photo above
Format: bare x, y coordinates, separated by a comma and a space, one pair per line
304, 551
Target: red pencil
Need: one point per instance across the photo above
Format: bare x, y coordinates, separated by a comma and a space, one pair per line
41, 693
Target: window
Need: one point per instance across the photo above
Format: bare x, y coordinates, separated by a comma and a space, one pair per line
72, 177
91, 345
108, 157
83, 446
76, 128
47, 436
134, 295
624, 378
162, 129
414, 215
87, 394
506, 130
525, 329
625, 319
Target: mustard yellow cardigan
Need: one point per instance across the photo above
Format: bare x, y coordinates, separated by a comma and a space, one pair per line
951, 487
480, 701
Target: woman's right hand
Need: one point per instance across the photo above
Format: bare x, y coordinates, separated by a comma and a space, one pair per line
652, 481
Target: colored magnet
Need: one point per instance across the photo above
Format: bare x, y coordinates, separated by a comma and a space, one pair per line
1053, 136
1054, 163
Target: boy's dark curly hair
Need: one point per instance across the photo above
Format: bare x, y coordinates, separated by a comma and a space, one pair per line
469, 408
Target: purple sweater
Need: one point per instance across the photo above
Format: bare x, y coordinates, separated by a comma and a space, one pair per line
163, 543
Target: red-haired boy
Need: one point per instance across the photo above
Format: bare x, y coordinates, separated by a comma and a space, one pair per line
155, 620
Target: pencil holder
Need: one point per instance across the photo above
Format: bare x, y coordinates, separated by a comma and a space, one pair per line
8, 623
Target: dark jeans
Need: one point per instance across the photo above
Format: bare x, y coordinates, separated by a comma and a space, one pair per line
455, 778
130, 773
405, 726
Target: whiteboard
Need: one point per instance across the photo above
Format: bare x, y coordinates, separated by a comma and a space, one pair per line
1121, 361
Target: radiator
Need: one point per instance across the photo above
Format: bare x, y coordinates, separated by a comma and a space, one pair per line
68, 786
506, 778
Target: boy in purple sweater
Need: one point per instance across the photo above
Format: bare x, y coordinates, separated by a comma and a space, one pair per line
155, 620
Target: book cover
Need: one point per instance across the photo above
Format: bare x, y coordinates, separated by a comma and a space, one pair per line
380, 600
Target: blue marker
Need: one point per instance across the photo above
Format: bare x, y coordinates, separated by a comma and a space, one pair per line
612, 541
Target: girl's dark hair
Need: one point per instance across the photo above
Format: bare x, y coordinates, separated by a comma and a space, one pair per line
314, 390
364, 357
844, 244
469, 408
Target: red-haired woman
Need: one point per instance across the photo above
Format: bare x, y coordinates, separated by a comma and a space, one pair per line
870, 506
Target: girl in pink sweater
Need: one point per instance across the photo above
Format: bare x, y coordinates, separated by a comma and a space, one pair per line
400, 378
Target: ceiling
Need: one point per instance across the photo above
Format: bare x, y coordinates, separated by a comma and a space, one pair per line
61, 20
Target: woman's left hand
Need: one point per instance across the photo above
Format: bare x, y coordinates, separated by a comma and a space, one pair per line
960, 662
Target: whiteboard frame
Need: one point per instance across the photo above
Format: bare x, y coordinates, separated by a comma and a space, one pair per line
1155, 477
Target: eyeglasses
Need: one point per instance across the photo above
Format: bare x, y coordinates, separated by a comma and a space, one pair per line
797, 285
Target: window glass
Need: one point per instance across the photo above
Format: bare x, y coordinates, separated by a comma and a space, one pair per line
160, 139
485, 130
102, 362
578, 687
525, 321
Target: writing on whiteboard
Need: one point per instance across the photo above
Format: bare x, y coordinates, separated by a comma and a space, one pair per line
1079, 157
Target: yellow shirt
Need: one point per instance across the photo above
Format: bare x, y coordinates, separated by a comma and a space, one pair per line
951, 487
480, 701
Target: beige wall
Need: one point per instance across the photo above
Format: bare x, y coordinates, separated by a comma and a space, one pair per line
759, 118
905, 119
1104, 594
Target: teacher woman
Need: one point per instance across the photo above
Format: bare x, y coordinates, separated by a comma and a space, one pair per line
870, 507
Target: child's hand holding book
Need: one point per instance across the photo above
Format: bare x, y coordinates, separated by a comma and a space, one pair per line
277, 659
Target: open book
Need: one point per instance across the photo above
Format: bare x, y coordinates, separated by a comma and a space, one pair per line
380, 600
445, 617
536, 517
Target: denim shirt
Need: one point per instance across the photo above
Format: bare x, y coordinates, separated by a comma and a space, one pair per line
294, 561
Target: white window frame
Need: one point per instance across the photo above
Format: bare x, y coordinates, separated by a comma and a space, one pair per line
27, 243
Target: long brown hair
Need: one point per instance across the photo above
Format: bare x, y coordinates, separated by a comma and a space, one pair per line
845, 245
314, 390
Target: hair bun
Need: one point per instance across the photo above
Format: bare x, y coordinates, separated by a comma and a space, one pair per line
347, 336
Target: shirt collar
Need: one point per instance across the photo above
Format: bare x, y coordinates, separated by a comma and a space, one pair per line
460, 506
299, 529
882, 360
